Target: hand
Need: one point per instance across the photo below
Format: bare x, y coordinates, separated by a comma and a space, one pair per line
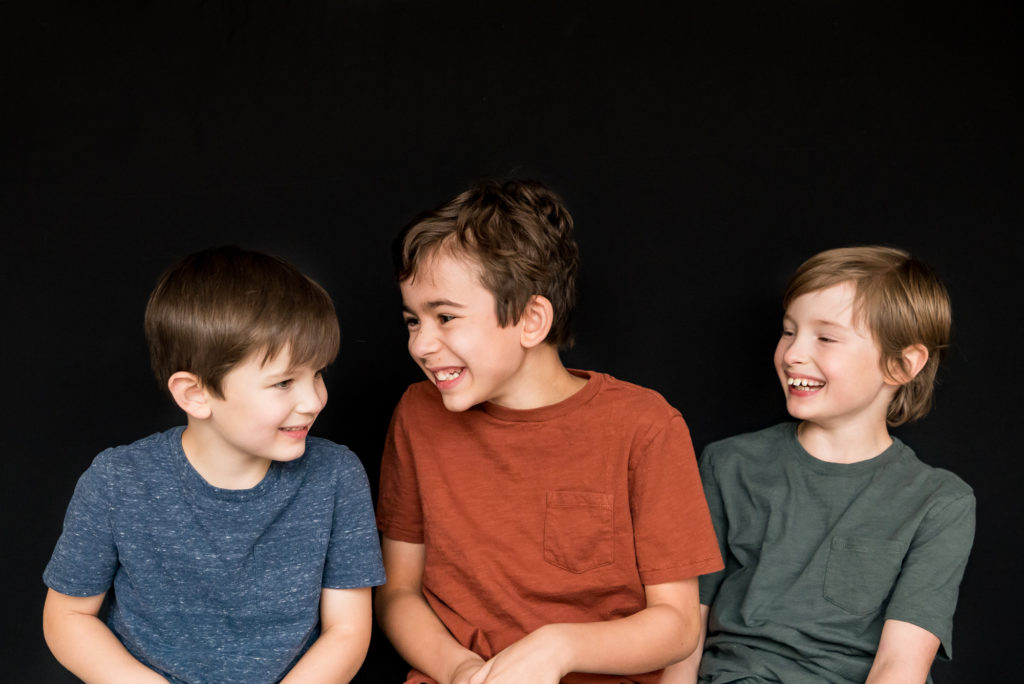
464, 672
539, 658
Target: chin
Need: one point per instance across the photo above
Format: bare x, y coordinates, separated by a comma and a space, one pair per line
455, 407
457, 404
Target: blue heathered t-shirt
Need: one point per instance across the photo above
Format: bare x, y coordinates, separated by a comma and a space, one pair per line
210, 584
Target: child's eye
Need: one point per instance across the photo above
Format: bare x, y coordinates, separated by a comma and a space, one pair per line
320, 373
444, 318
787, 333
411, 322
826, 339
284, 384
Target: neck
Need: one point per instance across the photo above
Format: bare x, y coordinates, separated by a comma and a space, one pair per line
544, 380
847, 444
218, 466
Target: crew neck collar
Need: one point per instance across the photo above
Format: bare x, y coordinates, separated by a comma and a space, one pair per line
887, 456
543, 413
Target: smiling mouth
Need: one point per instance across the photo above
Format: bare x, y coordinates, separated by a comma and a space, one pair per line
447, 374
805, 384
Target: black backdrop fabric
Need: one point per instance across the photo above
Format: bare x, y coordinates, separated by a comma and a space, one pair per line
705, 150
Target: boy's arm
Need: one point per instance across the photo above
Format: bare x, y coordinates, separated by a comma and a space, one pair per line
685, 671
83, 644
412, 625
339, 651
660, 634
905, 654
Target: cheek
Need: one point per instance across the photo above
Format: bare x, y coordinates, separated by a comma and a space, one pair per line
780, 350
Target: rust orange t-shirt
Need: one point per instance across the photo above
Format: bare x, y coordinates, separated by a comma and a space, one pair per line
556, 514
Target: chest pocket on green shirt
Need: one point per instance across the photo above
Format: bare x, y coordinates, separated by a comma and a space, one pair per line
861, 572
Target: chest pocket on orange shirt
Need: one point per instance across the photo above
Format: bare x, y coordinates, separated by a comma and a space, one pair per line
578, 530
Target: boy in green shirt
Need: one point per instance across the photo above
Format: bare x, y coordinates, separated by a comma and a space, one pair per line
843, 552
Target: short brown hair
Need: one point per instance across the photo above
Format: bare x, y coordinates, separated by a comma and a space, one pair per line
900, 300
212, 310
518, 232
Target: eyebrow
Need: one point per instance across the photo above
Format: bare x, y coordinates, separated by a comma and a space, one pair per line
817, 321
435, 304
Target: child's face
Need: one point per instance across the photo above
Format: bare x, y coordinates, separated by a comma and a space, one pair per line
454, 335
266, 410
830, 366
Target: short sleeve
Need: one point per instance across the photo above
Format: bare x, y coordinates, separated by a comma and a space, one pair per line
399, 509
353, 555
85, 558
928, 585
671, 526
710, 583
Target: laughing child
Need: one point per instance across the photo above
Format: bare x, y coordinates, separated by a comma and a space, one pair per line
843, 552
236, 548
537, 521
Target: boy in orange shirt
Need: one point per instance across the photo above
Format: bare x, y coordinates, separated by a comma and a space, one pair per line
538, 523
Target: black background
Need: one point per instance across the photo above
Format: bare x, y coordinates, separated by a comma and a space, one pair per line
705, 150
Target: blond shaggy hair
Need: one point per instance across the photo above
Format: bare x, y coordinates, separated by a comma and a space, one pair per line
900, 300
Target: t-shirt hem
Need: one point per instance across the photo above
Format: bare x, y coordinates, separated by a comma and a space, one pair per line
945, 644
702, 567
73, 590
356, 584
399, 534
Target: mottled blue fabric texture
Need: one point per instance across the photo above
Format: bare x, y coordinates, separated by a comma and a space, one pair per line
209, 584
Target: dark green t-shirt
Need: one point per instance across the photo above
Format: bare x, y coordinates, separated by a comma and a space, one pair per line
818, 555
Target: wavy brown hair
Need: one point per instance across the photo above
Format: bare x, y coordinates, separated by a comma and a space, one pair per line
519, 234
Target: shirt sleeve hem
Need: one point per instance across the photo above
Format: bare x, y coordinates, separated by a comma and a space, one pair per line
361, 583
76, 590
929, 625
392, 531
702, 567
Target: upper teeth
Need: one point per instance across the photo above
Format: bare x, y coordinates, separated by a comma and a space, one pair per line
804, 382
448, 374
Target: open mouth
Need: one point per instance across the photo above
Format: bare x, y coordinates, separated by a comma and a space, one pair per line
447, 374
805, 384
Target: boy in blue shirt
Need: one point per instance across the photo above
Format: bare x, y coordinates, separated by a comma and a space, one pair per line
843, 552
238, 547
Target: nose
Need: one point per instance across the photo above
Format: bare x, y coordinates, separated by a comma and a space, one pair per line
313, 397
793, 349
423, 341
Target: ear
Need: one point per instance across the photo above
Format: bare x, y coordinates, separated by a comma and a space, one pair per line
536, 320
912, 360
190, 394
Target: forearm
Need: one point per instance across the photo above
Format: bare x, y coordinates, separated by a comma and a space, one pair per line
896, 672
648, 640
686, 670
335, 656
419, 635
86, 646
